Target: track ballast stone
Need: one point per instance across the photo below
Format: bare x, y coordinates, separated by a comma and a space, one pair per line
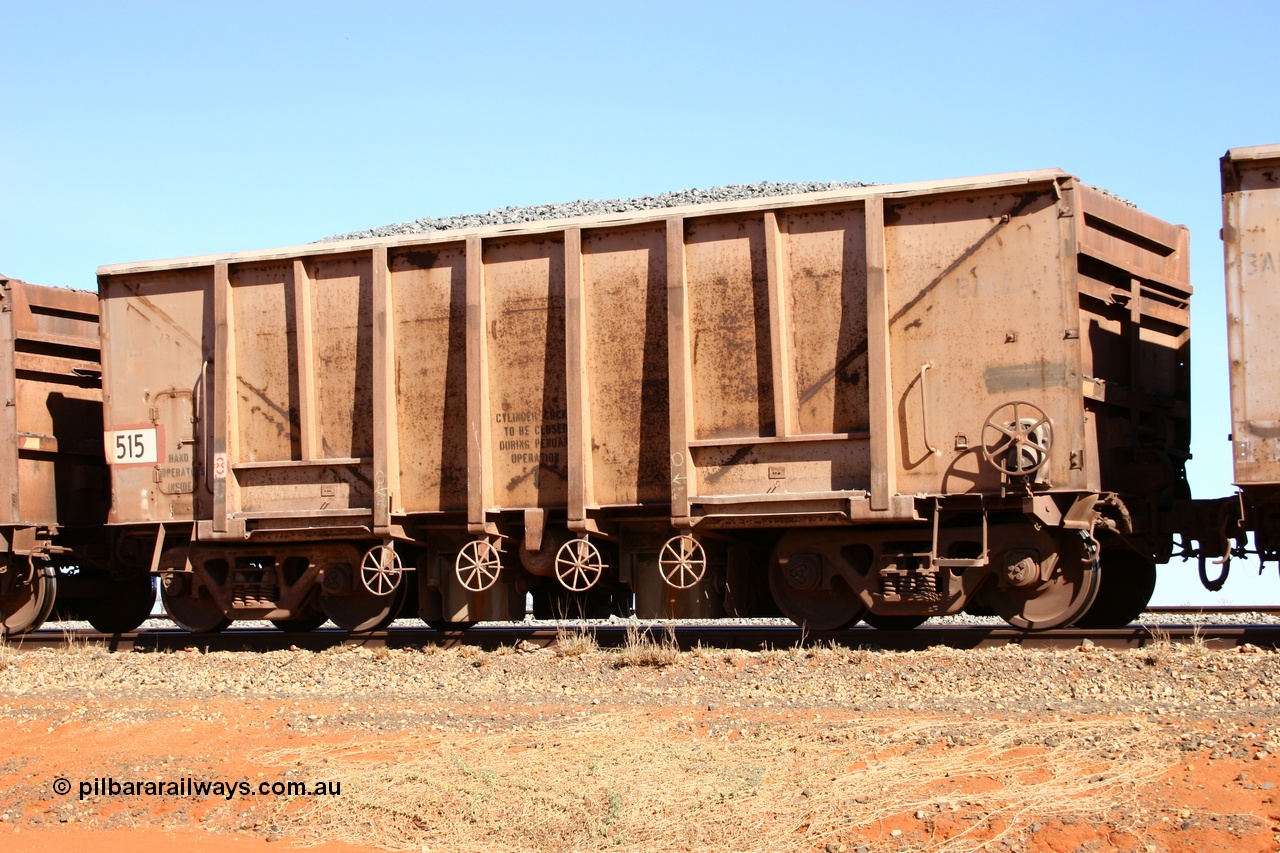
593, 207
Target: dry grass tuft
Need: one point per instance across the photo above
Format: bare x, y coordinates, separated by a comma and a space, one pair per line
632, 782
575, 642
641, 649
1164, 650
75, 644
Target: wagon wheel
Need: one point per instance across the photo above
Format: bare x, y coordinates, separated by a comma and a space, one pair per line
478, 565
682, 562
360, 611
444, 625
192, 608
1026, 599
1124, 590
1012, 439
579, 565
49, 594
381, 570
310, 618
126, 607
895, 622
798, 591
29, 598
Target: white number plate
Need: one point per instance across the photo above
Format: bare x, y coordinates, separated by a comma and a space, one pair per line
132, 446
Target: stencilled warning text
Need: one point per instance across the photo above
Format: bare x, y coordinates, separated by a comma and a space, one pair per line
533, 438
176, 474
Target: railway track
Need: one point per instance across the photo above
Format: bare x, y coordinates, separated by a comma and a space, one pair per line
615, 635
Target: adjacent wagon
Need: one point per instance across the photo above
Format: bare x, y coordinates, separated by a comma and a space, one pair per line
1251, 242
55, 546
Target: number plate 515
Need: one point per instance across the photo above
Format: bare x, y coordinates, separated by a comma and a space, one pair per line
136, 446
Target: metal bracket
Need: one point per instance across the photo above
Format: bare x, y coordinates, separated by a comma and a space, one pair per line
924, 415
534, 522
958, 562
157, 550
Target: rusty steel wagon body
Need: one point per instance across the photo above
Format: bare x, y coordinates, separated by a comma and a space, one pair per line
886, 403
1251, 243
52, 524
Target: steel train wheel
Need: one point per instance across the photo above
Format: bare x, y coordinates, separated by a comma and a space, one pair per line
29, 600
194, 610
977, 607
1026, 600
128, 606
49, 594
361, 611
1127, 583
311, 618
894, 622
797, 590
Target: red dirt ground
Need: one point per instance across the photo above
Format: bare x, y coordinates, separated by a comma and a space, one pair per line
1206, 803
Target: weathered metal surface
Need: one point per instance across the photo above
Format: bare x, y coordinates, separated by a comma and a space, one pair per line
158, 339
50, 431
1132, 274
820, 361
1251, 244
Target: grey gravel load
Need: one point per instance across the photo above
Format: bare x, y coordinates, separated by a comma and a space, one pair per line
593, 207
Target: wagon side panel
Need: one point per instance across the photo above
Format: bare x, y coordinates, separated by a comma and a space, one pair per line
53, 412
524, 340
1251, 238
625, 370
779, 390
158, 363
429, 292
1135, 314
981, 318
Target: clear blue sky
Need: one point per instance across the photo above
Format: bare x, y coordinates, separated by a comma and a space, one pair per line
134, 131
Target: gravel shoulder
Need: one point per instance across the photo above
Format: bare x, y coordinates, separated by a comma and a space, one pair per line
1170, 747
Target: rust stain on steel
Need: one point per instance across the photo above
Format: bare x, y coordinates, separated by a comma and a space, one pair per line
1264, 429
1025, 200
714, 475
290, 417
139, 299
1024, 377
860, 351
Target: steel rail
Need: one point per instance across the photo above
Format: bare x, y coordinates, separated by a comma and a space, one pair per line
617, 635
